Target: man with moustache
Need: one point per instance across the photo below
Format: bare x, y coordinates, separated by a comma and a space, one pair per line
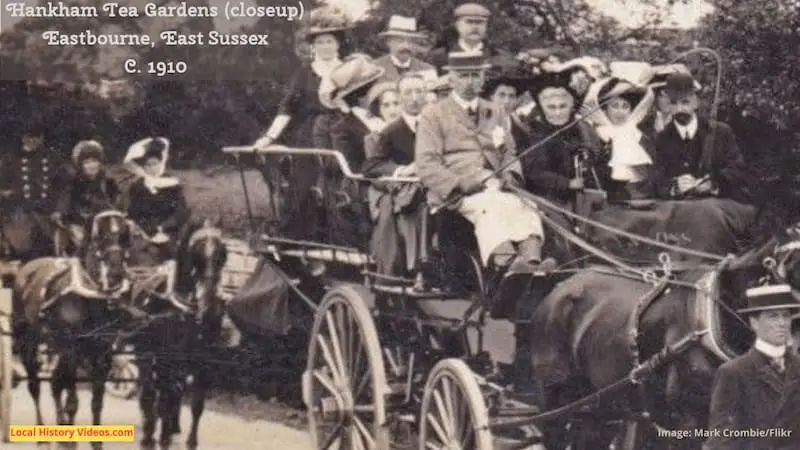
460, 144
402, 38
395, 208
760, 390
468, 34
695, 157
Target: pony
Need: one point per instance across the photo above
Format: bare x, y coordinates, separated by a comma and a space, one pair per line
596, 325
72, 304
183, 322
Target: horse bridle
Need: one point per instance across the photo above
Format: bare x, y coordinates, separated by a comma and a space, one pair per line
102, 251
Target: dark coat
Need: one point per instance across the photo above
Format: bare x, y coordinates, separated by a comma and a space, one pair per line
166, 209
344, 133
301, 103
748, 393
84, 198
36, 178
394, 147
548, 169
720, 158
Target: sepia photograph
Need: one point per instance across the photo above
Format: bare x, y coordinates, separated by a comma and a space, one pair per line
400, 225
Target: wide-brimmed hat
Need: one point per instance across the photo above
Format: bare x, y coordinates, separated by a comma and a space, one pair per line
466, 61
347, 78
324, 20
594, 67
377, 91
84, 150
679, 85
401, 26
546, 80
769, 298
471, 10
629, 80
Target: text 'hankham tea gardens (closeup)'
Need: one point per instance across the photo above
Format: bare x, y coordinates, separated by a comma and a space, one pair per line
218, 11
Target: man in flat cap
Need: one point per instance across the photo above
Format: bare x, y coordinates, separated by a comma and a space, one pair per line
697, 158
468, 34
759, 392
402, 39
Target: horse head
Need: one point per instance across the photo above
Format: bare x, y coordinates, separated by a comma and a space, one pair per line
108, 248
202, 256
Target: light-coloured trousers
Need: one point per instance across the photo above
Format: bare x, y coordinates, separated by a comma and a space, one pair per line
499, 217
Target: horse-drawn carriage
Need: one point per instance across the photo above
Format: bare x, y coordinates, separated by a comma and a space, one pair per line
432, 356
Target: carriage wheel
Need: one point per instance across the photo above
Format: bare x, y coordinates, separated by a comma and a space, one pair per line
6, 365
454, 414
344, 386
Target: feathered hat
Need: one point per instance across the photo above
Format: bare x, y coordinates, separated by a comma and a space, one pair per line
326, 20
552, 80
347, 78
509, 72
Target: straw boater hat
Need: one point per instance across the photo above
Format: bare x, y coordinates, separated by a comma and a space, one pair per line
466, 61
771, 297
326, 20
347, 78
401, 26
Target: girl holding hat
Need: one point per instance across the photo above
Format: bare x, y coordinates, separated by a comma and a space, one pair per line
300, 106
624, 102
89, 193
383, 103
156, 202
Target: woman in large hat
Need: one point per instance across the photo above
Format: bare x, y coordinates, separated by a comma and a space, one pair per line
157, 203
325, 34
563, 165
621, 103
507, 87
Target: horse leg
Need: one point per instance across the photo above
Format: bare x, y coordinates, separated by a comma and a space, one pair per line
169, 399
201, 382
57, 386
101, 367
70, 374
30, 359
147, 401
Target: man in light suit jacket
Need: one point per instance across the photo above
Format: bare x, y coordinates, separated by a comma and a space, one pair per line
760, 390
401, 38
460, 144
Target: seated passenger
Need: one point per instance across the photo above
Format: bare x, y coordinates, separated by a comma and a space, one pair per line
395, 208
623, 107
695, 157
89, 193
563, 163
382, 102
343, 129
156, 202
460, 143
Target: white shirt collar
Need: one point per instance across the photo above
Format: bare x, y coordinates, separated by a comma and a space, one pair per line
466, 47
472, 104
411, 121
689, 130
772, 351
324, 68
400, 64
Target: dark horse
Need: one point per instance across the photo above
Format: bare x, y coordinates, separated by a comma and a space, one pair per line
71, 304
176, 338
22, 235
594, 326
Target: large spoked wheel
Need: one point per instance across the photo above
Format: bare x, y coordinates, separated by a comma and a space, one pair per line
344, 386
6, 365
454, 414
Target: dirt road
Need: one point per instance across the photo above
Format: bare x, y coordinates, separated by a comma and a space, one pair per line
218, 431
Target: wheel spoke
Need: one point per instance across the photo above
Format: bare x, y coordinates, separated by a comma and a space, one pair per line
447, 384
362, 384
431, 446
447, 420
364, 432
326, 382
333, 333
356, 443
437, 428
326, 354
335, 433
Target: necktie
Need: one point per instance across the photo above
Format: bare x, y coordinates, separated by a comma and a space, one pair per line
779, 364
473, 114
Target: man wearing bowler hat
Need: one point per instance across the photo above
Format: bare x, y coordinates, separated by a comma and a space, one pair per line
402, 39
759, 392
697, 158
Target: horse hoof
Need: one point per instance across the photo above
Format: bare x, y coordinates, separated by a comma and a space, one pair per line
97, 446
147, 443
191, 444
